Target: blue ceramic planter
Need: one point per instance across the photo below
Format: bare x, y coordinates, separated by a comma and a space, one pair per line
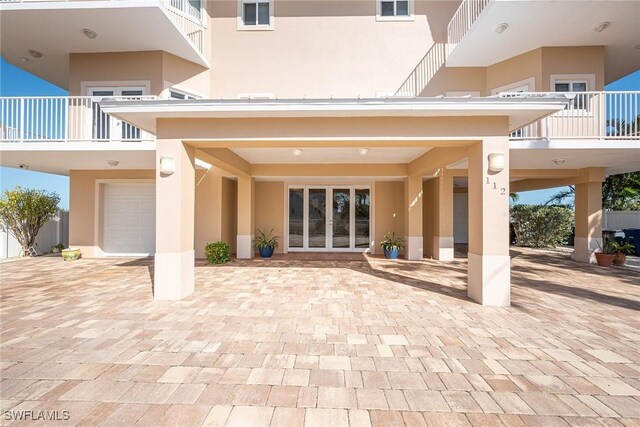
266, 252
392, 254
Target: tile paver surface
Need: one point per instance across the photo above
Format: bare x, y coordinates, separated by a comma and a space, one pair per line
320, 340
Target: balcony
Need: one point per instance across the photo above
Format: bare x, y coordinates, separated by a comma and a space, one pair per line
64, 119
589, 116
58, 28
485, 32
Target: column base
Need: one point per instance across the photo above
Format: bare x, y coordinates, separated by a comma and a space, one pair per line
244, 246
443, 248
413, 250
174, 275
584, 249
489, 279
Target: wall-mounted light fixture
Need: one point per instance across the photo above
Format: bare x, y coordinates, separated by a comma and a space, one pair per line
496, 162
167, 165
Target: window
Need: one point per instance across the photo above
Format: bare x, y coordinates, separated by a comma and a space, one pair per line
256, 13
580, 100
176, 94
394, 8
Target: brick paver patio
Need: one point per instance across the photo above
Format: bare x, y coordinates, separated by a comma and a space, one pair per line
321, 342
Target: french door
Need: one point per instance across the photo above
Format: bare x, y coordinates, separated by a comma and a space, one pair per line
329, 218
104, 127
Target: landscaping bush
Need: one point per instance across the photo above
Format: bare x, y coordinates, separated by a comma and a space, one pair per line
541, 226
217, 252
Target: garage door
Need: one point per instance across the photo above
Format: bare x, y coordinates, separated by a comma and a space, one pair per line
129, 219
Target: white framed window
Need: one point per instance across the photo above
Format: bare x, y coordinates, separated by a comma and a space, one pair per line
394, 10
103, 126
570, 86
574, 83
180, 94
255, 14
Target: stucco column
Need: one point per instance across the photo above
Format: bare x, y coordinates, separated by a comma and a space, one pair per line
175, 200
246, 217
588, 215
443, 235
413, 217
489, 275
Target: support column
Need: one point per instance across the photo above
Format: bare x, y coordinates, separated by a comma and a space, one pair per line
246, 217
443, 233
588, 214
174, 275
489, 275
413, 218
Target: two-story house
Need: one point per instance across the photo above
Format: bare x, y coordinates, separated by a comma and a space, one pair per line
330, 122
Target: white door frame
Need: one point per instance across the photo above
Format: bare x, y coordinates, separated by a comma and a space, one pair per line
328, 216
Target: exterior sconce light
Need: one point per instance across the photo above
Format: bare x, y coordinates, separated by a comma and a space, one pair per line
167, 165
496, 162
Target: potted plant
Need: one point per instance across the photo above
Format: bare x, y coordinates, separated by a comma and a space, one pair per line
621, 250
57, 248
266, 243
391, 245
70, 254
605, 256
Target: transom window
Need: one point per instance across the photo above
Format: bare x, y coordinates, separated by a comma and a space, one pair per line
256, 13
394, 8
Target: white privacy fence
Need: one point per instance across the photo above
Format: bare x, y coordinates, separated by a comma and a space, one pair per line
53, 232
64, 118
619, 220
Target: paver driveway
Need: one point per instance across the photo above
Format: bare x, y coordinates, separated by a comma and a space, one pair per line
320, 342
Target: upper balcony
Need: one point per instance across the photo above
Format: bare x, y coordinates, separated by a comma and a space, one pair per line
485, 32
39, 35
595, 116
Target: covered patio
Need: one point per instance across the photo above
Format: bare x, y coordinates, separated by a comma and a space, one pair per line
335, 340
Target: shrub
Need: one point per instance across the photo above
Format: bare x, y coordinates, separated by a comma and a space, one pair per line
217, 252
541, 226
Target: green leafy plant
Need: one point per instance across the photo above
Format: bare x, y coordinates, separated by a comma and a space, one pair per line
217, 252
541, 226
390, 242
57, 248
266, 240
24, 211
621, 248
608, 248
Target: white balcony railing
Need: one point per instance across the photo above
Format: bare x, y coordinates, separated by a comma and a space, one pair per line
589, 115
463, 19
187, 16
422, 74
64, 118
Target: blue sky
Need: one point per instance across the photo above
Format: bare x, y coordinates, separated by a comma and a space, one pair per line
16, 82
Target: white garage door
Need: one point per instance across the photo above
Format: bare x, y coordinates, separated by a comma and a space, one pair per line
129, 219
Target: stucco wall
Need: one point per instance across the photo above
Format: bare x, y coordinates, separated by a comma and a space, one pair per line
208, 210
270, 214
229, 212
429, 215
389, 210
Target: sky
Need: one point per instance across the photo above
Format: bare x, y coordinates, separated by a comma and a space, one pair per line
16, 82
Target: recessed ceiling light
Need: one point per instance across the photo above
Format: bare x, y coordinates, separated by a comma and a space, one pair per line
637, 46
601, 26
296, 152
113, 163
363, 151
35, 53
501, 28
559, 161
24, 59
90, 34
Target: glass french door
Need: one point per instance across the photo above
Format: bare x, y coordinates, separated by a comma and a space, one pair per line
103, 126
329, 218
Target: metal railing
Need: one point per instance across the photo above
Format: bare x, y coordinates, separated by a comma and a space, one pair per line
64, 118
428, 66
183, 13
589, 115
463, 19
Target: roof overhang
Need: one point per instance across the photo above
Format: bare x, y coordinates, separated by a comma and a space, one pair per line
520, 110
54, 28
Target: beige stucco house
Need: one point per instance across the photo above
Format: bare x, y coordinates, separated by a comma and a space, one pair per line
330, 122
